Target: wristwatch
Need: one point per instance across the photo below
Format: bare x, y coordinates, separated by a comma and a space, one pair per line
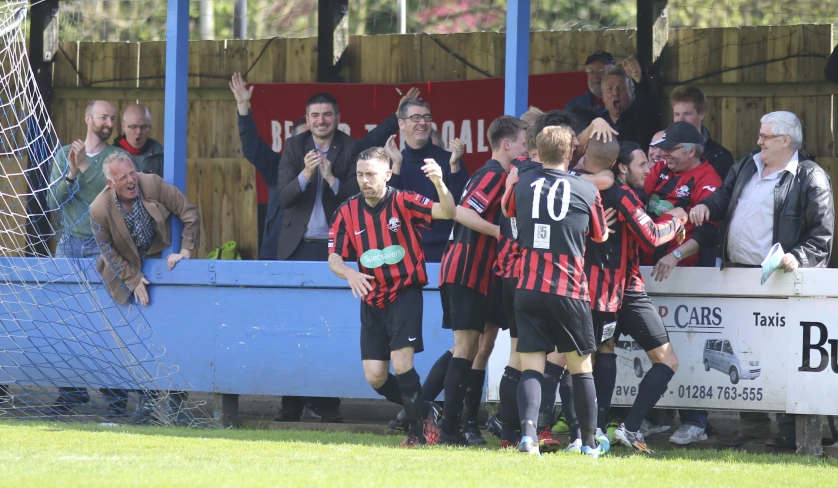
677, 254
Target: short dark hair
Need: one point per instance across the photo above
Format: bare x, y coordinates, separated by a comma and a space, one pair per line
297, 124
504, 127
378, 153
558, 118
323, 98
602, 154
626, 150
415, 102
689, 93
583, 117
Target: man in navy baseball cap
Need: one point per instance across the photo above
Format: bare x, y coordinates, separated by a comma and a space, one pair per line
678, 133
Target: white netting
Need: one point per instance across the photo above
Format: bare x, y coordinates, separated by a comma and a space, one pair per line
66, 350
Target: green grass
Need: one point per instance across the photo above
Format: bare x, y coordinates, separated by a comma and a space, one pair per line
88, 455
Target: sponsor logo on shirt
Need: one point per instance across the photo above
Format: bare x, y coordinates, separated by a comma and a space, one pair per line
375, 258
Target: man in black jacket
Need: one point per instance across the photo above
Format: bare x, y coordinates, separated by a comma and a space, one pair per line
267, 162
773, 196
690, 105
631, 107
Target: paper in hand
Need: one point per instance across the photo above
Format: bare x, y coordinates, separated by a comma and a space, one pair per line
771, 262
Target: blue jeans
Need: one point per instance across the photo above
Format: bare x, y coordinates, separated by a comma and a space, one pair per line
694, 417
75, 247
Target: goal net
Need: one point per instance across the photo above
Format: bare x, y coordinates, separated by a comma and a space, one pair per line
67, 351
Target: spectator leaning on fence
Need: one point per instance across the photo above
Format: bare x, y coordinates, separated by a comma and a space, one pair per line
415, 122
770, 197
146, 153
76, 179
595, 68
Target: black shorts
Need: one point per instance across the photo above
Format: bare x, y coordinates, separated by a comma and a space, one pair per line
509, 285
550, 321
494, 302
396, 326
639, 318
602, 320
463, 308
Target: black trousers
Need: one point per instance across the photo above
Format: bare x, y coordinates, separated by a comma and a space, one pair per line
310, 250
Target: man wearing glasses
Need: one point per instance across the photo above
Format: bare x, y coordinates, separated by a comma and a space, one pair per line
775, 195
595, 67
146, 153
415, 123
682, 178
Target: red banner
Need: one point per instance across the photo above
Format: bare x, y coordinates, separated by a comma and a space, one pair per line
461, 109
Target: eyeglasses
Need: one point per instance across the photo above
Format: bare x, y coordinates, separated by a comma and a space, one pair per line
592, 71
766, 137
417, 118
141, 127
674, 148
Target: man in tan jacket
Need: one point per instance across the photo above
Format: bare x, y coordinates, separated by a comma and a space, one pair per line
129, 224
129, 221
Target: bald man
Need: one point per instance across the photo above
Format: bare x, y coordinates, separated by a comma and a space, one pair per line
146, 153
76, 178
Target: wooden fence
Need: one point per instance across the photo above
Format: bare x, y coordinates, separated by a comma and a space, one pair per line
745, 72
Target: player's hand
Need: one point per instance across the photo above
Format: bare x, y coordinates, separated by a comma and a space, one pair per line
512, 177
326, 170
393, 151
359, 283
141, 293
611, 218
662, 270
632, 67
681, 236
679, 214
457, 148
412, 94
789, 262
432, 171
241, 92
602, 131
699, 214
310, 163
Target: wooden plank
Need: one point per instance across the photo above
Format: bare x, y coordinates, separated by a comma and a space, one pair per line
224, 191
301, 61
152, 64
794, 89
66, 61
752, 50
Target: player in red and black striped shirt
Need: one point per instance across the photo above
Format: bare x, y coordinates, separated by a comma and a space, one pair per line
554, 212
380, 229
466, 270
638, 317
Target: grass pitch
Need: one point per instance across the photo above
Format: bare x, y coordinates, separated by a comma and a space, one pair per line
53, 454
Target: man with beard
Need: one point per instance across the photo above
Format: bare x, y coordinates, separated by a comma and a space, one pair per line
596, 66
77, 179
630, 105
146, 153
379, 228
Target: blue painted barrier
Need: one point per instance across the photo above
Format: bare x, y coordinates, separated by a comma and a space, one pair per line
239, 327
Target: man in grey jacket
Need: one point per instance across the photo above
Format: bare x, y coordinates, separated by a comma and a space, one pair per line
146, 153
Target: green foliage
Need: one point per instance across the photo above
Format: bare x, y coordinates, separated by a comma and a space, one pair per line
144, 20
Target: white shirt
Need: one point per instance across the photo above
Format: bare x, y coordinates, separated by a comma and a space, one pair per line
751, 231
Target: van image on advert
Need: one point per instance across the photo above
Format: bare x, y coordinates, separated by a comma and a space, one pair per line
736, 360
631, 355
